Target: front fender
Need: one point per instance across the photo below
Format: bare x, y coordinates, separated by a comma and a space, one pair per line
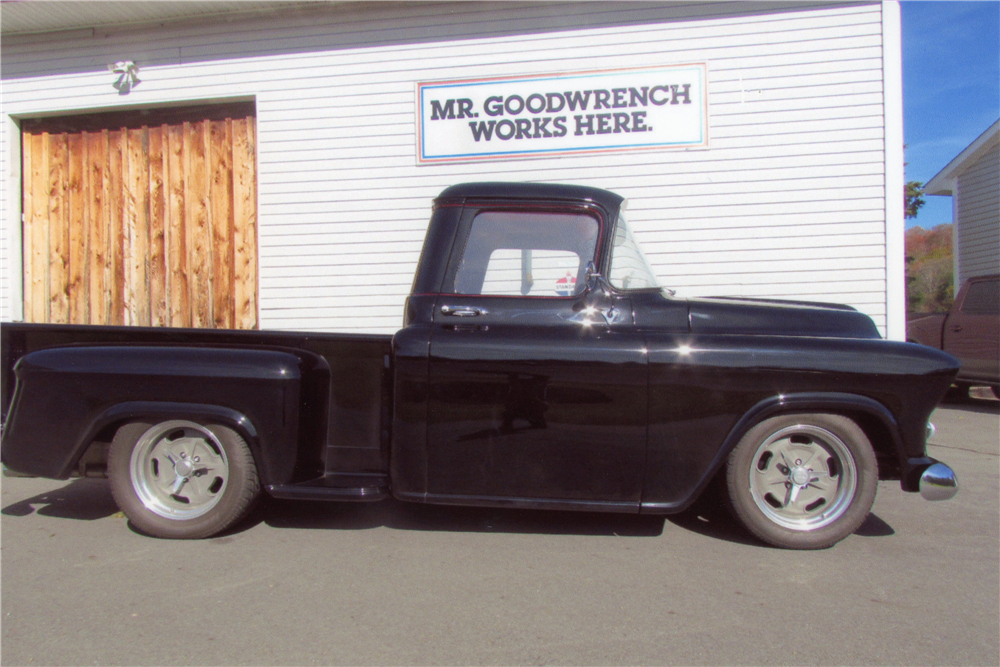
832, 402
828, 402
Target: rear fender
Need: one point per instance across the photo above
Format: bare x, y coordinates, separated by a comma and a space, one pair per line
65, 397
153, 412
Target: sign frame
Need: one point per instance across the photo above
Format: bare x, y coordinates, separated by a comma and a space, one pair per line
435, 146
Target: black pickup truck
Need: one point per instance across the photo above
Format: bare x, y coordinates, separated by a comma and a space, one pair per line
540, 366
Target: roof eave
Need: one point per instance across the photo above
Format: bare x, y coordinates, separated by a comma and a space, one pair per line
19, 18
943, 183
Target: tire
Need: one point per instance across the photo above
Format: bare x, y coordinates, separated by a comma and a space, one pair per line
802, 481
180, 479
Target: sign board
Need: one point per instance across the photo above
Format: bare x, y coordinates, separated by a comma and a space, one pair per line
559, 114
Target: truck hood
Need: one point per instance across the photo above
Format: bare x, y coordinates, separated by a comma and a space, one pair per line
722, 315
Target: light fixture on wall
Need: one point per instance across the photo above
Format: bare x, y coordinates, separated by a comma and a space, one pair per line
128, 76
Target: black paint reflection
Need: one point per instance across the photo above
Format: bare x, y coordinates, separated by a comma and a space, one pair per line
525, 398
525, 401
536, 412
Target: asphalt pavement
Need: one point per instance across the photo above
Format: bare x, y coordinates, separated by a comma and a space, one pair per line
391, 583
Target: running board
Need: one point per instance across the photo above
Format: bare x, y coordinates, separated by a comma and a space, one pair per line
337, 486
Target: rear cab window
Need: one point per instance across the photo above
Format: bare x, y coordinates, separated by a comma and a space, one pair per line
527, 253
983, 298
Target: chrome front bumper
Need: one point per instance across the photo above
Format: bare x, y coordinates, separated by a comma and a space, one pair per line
938, 482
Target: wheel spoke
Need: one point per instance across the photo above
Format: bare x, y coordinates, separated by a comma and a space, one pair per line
821, 479
165, 482
793, 494
164, 468
208, 459
201, 487
178, 483
771, 476
193, 491
813, 451
781, 452
808, 495
187, 444
195, 453
166, 453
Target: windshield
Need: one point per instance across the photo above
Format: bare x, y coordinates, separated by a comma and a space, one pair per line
629, 268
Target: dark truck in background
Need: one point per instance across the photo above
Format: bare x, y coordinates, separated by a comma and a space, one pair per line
969, 331
540, 366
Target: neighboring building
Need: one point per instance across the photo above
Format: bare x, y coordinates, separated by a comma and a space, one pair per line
272, 164
972, 180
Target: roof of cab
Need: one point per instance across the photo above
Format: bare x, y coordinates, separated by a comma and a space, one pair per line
549, 191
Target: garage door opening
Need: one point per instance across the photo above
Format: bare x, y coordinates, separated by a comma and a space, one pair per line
145, 218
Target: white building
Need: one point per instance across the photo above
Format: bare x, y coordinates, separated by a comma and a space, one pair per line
307, 209
972, 180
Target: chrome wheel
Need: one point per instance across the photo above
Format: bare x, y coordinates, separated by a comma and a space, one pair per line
803, 477
179, 470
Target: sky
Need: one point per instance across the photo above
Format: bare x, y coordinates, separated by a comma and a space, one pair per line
951, 88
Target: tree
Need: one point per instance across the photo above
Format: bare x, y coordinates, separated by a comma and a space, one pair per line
914, 198
929, 281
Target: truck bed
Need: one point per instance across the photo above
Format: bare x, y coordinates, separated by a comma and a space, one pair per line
350, 435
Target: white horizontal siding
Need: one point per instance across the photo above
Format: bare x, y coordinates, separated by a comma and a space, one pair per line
796, 163
979, 217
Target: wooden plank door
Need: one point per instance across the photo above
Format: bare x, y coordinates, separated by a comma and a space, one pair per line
147, 225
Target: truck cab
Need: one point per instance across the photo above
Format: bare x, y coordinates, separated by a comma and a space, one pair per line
536, 376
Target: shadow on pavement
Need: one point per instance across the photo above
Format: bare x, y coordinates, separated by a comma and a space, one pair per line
81, 499
709, 517
90, 499
706, 517
714, 520
874, 527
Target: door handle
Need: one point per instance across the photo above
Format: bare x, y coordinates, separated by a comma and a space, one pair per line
463, 311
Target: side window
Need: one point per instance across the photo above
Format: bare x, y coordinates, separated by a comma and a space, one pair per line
983, 298
629, 268
515, 253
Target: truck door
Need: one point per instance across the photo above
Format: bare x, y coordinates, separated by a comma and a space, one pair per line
971, 330
534, 400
